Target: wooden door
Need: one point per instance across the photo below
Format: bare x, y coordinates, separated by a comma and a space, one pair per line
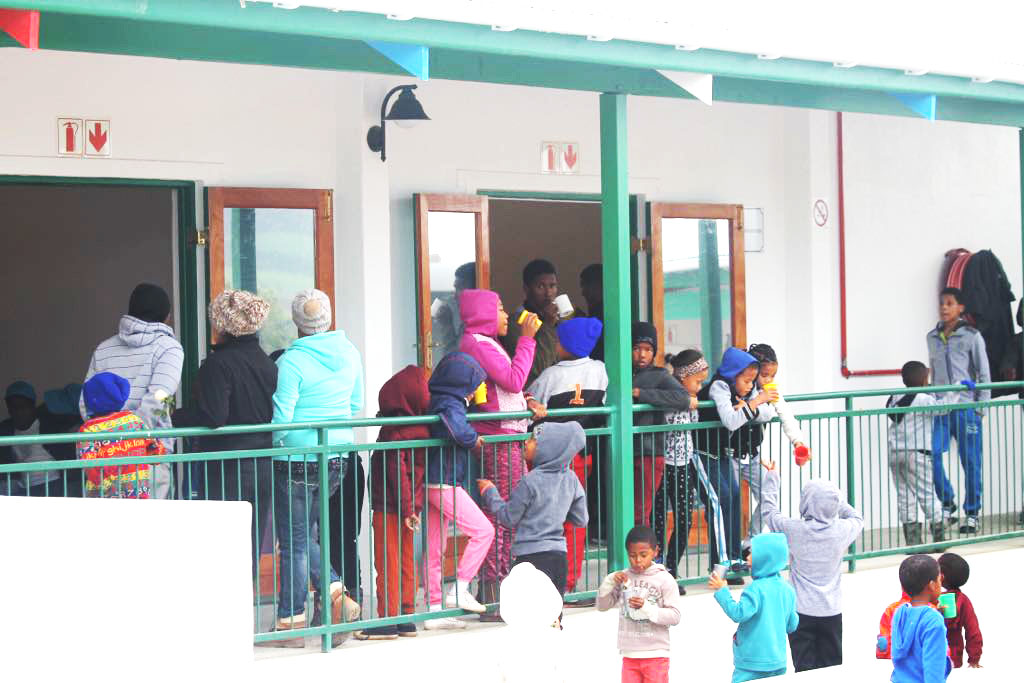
452, 253
274, 242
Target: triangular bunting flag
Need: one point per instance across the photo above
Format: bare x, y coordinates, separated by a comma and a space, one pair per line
22, 25
698, 85
413, 58
923, 105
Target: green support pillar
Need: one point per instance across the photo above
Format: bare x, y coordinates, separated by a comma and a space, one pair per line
615, 252
1020, 134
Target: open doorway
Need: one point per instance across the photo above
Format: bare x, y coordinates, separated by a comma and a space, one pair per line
71, 256
566, 233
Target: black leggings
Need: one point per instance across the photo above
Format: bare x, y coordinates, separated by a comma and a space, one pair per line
674, 492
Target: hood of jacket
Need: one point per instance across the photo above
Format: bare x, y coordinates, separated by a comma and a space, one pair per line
819, 502
137, 333
653, 570
405, 394
906, 623
479, 311
557, 443
734, 361
324, 348
769, 553
456, 376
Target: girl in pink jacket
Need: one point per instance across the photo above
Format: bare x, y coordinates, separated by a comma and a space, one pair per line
485, 320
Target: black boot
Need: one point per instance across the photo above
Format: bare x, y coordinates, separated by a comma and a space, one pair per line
938, 532
912, 533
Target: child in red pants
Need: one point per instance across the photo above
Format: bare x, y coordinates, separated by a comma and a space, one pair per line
576, 381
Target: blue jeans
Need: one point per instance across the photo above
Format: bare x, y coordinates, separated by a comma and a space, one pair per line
723, 483
965, 427
296, 516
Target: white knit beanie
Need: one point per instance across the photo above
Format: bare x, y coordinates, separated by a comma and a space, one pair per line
311, 311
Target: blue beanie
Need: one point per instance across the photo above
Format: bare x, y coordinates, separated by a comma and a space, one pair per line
21, 389
578, 336
105, 393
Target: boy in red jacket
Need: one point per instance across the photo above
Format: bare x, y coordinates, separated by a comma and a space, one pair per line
396, 498
955, 572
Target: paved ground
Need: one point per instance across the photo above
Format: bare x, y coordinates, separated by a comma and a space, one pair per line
700, 644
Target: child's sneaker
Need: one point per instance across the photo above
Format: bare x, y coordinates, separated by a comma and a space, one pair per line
378, 633
407, 630
949, 512
444, 623
970, 525
462, 599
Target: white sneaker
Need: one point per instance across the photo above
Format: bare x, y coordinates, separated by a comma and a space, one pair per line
444, 623
463, 599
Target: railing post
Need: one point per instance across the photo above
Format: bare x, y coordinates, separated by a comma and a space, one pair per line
615, 251
851, 468
323, 493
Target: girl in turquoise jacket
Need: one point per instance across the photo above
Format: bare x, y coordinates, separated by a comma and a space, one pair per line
766, 612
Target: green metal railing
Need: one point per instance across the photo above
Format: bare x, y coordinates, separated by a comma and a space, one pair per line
849, 446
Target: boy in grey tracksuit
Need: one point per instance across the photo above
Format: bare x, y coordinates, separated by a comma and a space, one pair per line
910, 456
545, 498
817, 543
956, 354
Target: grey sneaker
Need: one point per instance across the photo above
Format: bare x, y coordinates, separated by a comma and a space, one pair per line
970, 525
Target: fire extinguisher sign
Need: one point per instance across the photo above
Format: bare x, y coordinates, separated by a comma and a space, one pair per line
69, 137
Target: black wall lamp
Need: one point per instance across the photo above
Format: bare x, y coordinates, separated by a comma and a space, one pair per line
406, 111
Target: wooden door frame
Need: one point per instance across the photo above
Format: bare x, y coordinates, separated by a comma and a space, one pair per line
320, 201
453, 203
737, 268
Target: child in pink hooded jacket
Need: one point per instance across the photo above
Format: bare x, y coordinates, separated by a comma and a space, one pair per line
485, 319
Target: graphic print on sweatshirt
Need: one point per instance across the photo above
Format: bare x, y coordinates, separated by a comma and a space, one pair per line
629, 626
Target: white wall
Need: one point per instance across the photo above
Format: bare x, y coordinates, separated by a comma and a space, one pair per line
914, 189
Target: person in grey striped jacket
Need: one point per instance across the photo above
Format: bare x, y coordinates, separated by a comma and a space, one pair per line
145, 352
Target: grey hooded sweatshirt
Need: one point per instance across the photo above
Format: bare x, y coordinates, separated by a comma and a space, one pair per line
817, 542
548, 496
957, 357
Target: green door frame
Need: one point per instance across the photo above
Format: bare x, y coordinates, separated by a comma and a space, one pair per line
185, 195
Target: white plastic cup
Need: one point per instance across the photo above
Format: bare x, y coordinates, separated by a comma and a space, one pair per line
564, 305
720, 570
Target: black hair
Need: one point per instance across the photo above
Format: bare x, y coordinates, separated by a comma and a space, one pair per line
535, 268
684, 358
916, 572
914, 373
957, 294
641, 534
955, 571
763, 353
592, 274
467, 273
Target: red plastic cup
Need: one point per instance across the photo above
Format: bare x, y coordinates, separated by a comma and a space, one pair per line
801, 455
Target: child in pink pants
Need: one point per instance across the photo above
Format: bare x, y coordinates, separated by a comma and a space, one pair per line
454, 381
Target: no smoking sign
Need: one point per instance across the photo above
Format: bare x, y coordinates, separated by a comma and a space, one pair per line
820, 213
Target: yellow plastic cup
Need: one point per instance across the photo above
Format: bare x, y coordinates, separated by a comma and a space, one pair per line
480, 395
771, 386
522, 317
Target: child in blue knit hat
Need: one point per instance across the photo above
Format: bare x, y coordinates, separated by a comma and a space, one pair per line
105, 395
575, 381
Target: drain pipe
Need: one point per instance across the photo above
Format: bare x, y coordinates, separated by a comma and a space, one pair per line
844, 367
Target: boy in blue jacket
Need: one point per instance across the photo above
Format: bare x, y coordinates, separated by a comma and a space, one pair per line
452, 385
918, 629
766, 612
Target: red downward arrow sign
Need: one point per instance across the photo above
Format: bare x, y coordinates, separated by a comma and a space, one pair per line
97, 138
570, 156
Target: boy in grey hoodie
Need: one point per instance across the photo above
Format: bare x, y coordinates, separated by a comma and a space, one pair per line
545, 498
649, 603
817, 543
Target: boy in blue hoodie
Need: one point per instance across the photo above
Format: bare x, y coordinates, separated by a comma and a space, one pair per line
766, 612
545, 498
452, 385
741, 409
918, 629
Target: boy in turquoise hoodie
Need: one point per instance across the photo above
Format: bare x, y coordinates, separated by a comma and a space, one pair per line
919, 652
766, 612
